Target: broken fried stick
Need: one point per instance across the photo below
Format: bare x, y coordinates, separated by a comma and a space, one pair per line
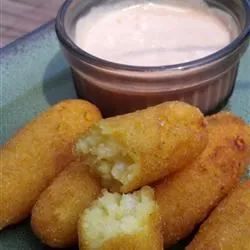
122, 222
136, 149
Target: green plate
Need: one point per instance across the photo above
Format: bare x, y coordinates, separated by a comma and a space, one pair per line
34, 75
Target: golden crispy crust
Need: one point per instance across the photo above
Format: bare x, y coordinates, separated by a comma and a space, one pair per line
162, 139
55, 214
37, 153
228, 227
148, 239
186, 198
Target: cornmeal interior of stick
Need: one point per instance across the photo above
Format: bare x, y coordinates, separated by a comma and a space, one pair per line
110, 158
114, 216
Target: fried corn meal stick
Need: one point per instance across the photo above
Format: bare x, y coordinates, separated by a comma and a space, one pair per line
186, 198
228, 227
37, 153
56, 213
122, 222
136, 149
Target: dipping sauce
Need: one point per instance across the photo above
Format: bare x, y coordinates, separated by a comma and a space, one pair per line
145, 33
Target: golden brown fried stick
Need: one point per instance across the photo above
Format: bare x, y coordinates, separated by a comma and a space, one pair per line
186, 198
56, 213
122, 222
228, 227
37, 153
133, 150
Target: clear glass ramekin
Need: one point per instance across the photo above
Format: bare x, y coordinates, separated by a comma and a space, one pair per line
116, 88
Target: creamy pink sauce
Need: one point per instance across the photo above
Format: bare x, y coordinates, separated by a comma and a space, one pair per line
145, 33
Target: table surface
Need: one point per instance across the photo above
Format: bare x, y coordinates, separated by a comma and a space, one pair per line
19, 17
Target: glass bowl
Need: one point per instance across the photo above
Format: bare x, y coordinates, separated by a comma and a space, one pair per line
116, 88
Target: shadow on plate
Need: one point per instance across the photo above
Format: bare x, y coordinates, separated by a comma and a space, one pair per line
57, 81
